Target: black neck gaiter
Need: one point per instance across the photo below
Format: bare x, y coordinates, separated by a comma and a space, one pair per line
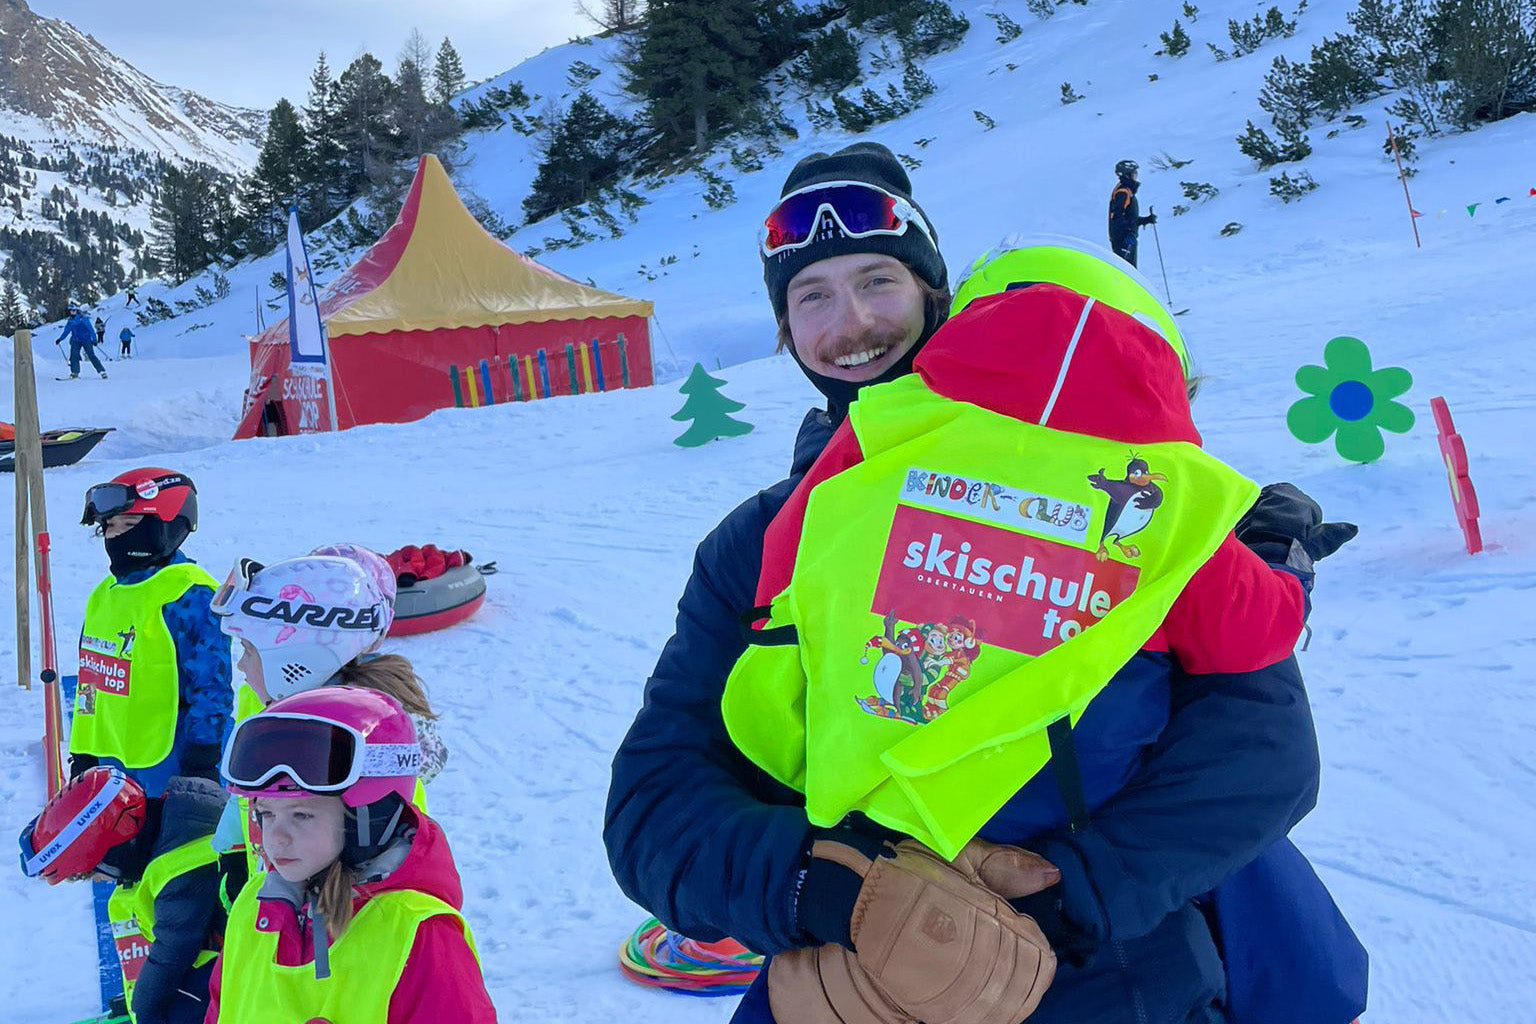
149, 544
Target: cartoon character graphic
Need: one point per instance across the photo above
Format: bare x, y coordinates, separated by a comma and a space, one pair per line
1131, 504
127, 637
918, 667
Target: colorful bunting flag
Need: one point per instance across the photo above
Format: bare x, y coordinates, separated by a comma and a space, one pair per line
1472, 209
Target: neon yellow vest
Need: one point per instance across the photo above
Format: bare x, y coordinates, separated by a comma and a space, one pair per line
132, 908
973, 580
366, 964
129, 694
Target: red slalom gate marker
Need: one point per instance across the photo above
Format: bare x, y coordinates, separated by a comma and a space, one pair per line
1463, 494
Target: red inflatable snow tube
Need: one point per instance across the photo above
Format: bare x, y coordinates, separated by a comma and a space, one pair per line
436, 588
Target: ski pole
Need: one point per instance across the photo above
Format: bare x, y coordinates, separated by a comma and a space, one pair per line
1166, 294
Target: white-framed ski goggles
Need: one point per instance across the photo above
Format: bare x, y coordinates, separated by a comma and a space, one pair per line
320, 755
238, 582
860, 209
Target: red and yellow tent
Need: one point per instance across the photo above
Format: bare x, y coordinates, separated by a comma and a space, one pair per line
440, 312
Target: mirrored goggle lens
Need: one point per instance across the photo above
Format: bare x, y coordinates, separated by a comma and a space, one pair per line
236, 583
861, 209
319, 756
105, 500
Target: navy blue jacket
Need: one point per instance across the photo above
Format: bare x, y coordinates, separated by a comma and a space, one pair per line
1189, 778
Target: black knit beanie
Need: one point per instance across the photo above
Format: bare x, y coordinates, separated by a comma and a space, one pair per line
874, 164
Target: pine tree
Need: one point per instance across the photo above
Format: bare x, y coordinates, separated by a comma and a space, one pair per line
416, 117
697, 63
448, 74
612, 15
364, 124
581, 150
709, 410
322, 193
276, 182
12, 318
192, 219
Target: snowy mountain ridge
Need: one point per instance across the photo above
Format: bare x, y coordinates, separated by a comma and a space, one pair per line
59, 83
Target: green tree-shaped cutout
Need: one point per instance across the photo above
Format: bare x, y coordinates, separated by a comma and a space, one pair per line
709, 410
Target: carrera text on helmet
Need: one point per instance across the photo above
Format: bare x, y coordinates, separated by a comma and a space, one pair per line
334, 617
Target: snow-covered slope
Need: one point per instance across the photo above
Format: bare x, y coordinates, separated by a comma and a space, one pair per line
1421, 656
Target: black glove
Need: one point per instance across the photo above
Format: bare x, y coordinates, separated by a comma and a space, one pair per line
79, 764
1286, 527
1150, 218
201, 760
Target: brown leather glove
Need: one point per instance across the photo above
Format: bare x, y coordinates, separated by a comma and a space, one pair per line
936, 942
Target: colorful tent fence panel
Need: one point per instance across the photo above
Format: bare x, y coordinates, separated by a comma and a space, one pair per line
522, 378
544, 374
597, 357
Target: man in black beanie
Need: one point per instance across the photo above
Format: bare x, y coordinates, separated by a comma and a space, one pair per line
711, 843
853, 271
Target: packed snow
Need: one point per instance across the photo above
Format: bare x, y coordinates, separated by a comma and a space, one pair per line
1419, 666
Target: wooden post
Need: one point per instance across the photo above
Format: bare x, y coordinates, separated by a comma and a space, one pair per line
30, 505
1403, 177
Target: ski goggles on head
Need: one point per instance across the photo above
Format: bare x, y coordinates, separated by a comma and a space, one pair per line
860, 209
319, 755
104, 500
236, 583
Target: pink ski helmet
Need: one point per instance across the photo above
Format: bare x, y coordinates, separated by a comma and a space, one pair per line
347, 741
307, 617
374, 565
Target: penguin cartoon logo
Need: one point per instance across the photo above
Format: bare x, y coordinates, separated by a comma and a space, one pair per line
1131, 504
127, 637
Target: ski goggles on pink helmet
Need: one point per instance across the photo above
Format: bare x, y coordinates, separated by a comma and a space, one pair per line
860, 209
344, 741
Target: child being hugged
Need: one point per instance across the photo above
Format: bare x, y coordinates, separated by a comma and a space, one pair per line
359, 919
165, 908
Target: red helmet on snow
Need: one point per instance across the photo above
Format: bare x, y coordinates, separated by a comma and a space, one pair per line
147, 491
99, 809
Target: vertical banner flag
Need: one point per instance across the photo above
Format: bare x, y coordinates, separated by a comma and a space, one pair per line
306, 338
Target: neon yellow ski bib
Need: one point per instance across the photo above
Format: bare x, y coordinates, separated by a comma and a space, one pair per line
129, 694
973, 580
131, 908
366, 964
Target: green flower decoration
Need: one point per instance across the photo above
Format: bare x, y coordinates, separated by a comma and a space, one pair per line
1348, 397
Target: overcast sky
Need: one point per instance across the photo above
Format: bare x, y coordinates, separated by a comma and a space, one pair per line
250, 52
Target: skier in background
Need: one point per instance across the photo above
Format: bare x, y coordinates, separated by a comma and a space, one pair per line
133, 296
1125, 220
125, 337
82, 338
